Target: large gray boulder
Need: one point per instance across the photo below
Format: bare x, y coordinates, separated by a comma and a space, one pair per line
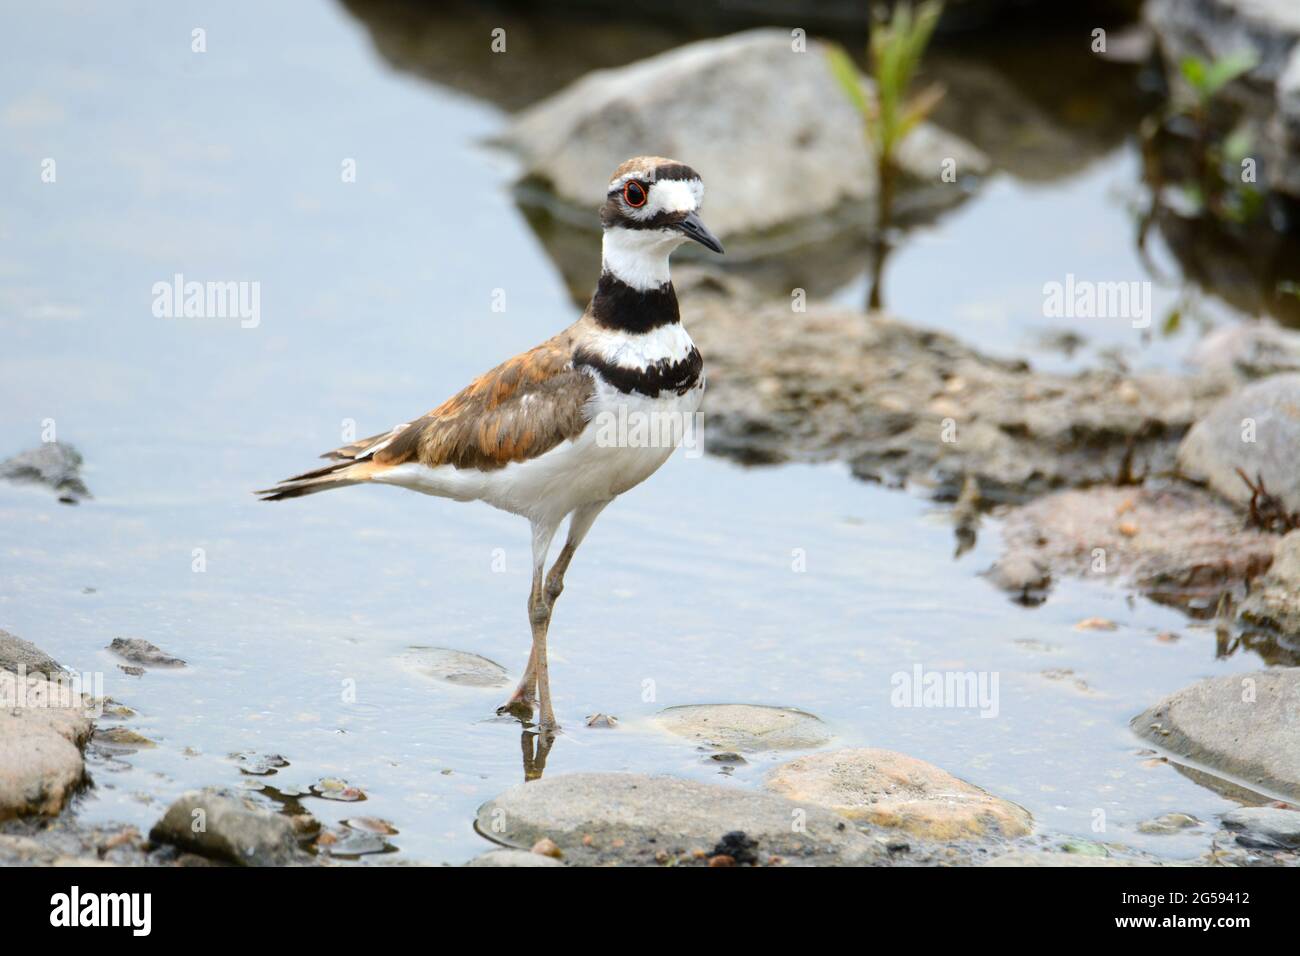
765, 124
224, 826
637, 819
1245, 726
43, 729
1256, 429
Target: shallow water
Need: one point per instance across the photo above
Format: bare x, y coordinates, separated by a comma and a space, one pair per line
376, 302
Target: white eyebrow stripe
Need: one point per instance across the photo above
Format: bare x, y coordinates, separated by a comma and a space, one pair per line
675, 195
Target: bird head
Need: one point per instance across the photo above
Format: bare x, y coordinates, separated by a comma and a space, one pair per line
651, 207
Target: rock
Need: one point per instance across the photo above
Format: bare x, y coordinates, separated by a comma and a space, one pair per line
15, 653
1274, 600
513, 858
1219, 443
331, 788
1268, 29
1265, 827
547, 847
680, 104
43, 729
121, 740
1176, 543
259, 765
1019, 858
52, 464
455, 667
1248, 350
894, 790
1283, 141
1023, 576
1168, 823
629, 818
143, 654
220, 825
747, 728
1245, 726
908, 405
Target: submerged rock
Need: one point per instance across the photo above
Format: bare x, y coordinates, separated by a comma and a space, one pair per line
54, 465
682, 104
1245, 726
1274, 600
455, 667
143, 654
1178, 544
638, 819
1023, 575
906, 404
43, 729
15, 653
1256, 429
1168, 823
894, 790
1267, 828
222, 826
747, 728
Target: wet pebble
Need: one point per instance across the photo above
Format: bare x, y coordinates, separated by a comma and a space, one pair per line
1169, 823
331, 788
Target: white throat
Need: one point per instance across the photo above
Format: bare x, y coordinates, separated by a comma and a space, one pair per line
639, 257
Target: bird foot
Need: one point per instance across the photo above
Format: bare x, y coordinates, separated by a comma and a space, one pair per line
517, 706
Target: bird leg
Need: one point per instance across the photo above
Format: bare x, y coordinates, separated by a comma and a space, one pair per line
521, 702
535, 687
539, 616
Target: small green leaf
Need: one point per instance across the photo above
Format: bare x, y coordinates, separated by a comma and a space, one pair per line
1226, 69
846, 73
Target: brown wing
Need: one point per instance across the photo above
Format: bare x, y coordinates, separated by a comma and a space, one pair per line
519, 410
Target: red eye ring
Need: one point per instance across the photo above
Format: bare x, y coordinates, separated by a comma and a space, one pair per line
635, 197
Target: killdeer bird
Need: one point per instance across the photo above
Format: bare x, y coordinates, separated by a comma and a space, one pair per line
533, 435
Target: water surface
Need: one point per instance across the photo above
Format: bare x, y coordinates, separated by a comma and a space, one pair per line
376, 303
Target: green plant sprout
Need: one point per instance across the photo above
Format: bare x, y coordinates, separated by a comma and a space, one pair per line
889, 113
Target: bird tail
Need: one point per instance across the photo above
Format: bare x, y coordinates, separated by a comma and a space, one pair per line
340, 474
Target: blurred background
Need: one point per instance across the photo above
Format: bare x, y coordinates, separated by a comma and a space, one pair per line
390, 174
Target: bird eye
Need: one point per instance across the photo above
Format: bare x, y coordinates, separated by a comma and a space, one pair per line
635, 195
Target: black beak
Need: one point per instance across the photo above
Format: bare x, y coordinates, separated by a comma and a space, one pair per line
695, 229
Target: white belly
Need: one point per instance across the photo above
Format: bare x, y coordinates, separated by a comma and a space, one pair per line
628, 438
